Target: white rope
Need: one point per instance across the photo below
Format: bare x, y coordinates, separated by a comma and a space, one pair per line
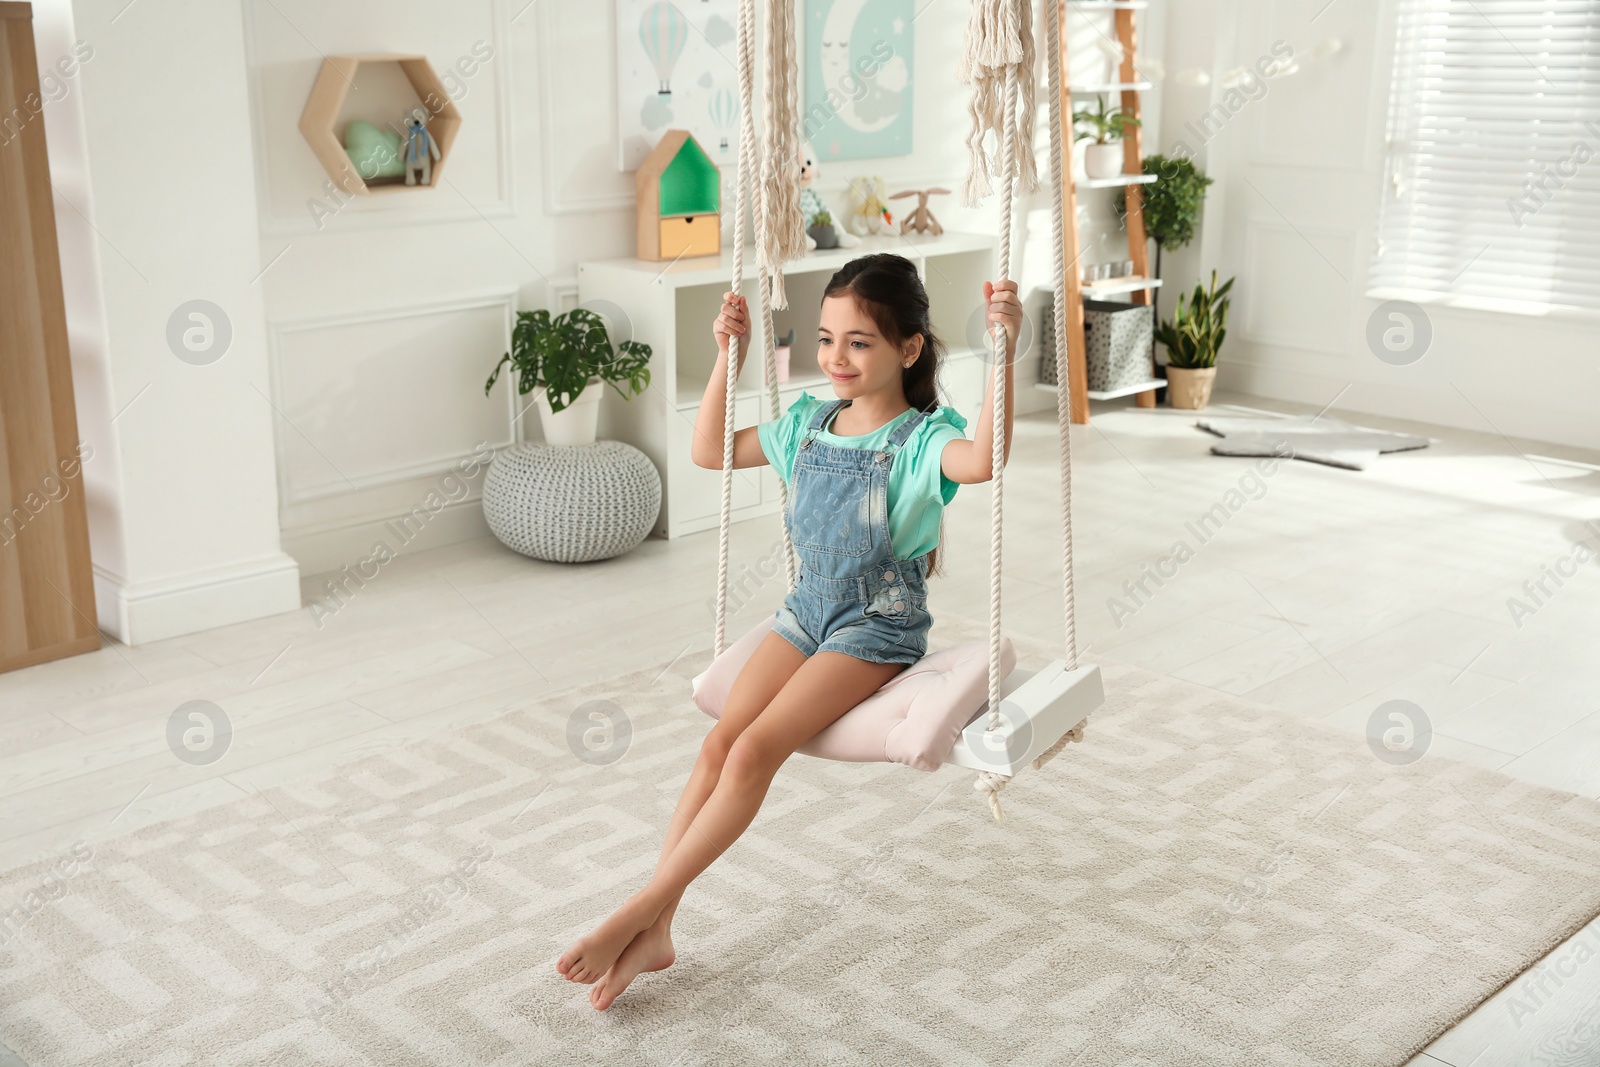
745, 49
757, 176
770, 376
1063, 379
998, 60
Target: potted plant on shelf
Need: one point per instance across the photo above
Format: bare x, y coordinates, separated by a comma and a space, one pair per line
821, 230
1103, 159
1170, 207
1193, 339
1170, 204
565, 355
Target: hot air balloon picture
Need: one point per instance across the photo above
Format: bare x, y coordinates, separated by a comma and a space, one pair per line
723, 110
663, 30
673, 60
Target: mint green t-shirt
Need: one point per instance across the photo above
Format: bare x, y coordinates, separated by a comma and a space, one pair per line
918, 489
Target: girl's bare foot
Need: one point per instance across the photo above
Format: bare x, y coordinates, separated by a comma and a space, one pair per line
650, 950
591, 956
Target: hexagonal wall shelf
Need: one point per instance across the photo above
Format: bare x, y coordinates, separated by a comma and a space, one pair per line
333, 85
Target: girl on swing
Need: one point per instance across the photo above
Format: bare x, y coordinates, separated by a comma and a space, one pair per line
869, 474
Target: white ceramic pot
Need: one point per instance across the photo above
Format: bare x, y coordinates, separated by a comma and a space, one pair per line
574, 424
1103, 160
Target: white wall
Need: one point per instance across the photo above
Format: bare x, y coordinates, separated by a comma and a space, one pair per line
531, 190
1294, 213
151, 159
362, 329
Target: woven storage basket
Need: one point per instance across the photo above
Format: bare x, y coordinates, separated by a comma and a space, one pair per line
571, 503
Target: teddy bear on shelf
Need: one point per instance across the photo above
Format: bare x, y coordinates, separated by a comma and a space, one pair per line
420, 148
869, 215
811, 204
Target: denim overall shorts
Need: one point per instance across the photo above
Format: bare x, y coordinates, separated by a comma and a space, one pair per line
852, 595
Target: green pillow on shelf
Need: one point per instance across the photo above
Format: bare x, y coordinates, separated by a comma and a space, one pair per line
375, 152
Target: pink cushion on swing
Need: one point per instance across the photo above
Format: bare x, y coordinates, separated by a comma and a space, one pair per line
914, 719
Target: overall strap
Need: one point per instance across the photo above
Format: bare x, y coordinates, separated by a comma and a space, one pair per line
904, 431
820, 419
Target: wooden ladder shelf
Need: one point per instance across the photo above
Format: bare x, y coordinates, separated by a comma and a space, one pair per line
1123, 12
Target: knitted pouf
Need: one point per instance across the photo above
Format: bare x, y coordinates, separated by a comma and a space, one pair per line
571, 503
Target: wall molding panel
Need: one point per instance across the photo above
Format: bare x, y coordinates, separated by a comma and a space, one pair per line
294, 344
1301, 316
274, 106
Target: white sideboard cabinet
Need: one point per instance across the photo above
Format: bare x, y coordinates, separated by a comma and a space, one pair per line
671, 309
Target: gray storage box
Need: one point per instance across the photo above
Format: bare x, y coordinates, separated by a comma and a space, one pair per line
1119, 338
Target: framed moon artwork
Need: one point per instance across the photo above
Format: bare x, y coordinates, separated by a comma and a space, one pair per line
856, 99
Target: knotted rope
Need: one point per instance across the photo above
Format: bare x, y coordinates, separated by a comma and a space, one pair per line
998, 58
753, 170
1063, 379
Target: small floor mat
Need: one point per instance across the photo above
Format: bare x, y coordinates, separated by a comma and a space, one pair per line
1319, 439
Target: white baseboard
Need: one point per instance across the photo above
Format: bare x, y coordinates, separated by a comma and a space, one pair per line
326, 548
138, 613
1425, 402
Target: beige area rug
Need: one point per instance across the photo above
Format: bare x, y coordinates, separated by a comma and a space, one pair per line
1202, 881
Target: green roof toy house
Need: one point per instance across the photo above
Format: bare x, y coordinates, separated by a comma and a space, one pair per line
679, 201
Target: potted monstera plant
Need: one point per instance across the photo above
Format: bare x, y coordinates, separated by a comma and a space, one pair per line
1193, 338
564, 355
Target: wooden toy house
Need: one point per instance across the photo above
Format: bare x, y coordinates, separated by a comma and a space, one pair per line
679, 202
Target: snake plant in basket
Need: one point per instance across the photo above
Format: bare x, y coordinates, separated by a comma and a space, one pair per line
564, 355
1193, 338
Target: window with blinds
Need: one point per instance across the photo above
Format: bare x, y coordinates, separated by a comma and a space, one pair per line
1492, 191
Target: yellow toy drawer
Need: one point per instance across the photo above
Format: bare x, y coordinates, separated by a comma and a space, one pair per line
691, 235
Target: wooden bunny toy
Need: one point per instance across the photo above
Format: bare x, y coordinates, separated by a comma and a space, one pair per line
920, 220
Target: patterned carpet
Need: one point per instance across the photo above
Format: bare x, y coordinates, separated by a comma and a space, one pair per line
1202, 881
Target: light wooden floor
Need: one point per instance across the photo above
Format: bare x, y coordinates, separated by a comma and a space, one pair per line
1325, 593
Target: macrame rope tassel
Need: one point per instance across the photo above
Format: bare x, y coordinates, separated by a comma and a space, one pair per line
780, 226
771, 196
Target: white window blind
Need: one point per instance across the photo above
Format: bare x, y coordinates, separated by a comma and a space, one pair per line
1493, 171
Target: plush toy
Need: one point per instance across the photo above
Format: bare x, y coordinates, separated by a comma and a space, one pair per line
421, 148
374, 152
920, 220
811, 203
870, 214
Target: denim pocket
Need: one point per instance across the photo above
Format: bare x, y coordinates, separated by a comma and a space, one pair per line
830, 510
